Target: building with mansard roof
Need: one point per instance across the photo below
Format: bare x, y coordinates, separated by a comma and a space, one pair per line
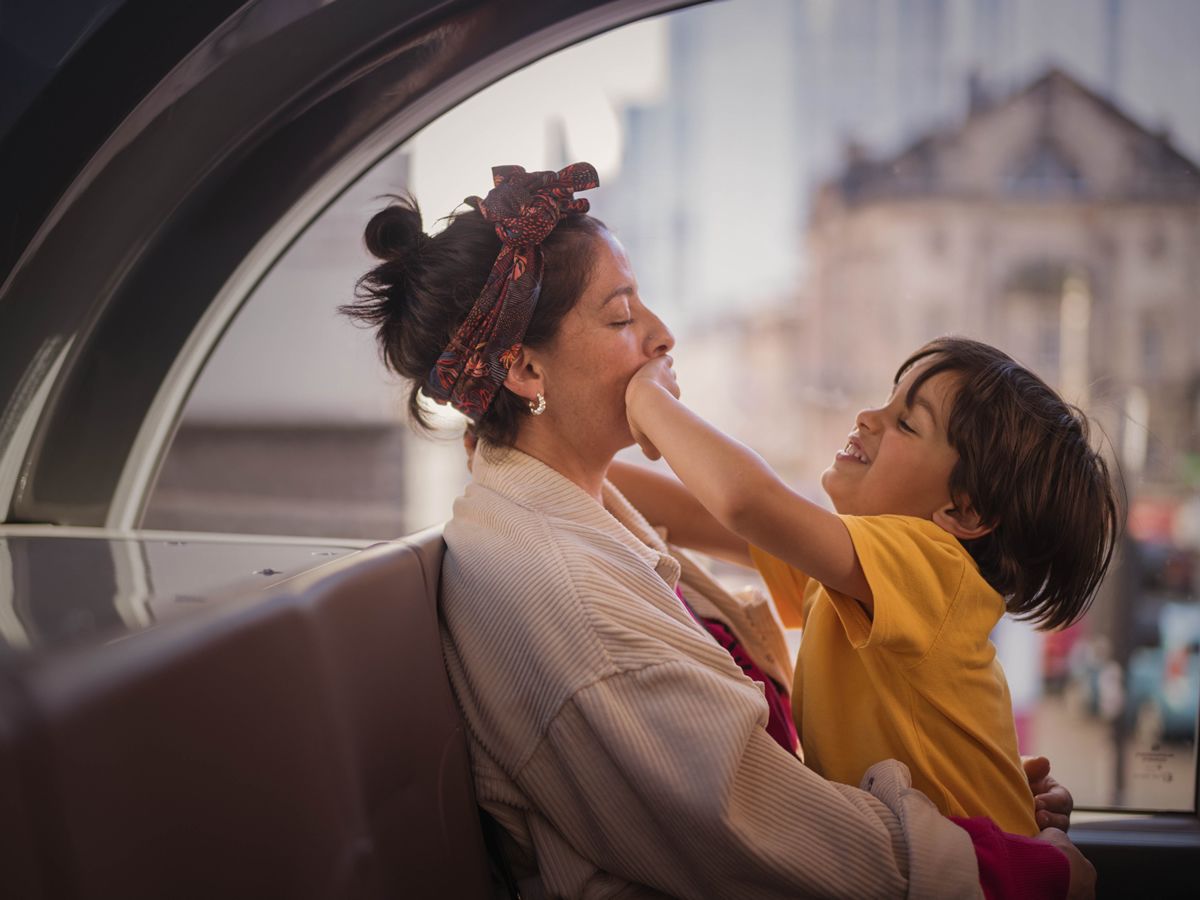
1049, 223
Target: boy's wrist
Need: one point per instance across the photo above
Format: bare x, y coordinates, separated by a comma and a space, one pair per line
641, 391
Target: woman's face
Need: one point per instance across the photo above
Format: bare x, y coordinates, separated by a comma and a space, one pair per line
603, 340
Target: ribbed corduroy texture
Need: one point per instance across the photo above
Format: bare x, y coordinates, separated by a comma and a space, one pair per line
620, 746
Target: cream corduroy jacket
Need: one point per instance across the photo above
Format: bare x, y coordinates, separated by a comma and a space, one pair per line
619, 746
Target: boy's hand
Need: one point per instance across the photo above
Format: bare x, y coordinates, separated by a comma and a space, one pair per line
657, 374
660, 371
1052, 801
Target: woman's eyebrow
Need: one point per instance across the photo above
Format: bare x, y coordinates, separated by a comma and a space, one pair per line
625, 290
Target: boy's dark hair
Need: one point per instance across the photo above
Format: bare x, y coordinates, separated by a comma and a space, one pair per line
1028, 468
423, 287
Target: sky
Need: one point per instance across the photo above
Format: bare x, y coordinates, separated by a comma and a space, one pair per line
587, 85
583, 88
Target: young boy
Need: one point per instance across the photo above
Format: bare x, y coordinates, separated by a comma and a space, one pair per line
971, 490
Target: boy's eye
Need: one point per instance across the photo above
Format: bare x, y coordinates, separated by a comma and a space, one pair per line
904, 426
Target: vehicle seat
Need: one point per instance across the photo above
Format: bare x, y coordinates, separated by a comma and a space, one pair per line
303, 743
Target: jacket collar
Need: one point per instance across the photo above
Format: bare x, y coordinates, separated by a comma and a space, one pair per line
530, 483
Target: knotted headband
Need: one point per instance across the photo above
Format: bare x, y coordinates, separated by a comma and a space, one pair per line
524, 207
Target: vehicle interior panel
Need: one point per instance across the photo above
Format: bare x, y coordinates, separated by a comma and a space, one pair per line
302, 744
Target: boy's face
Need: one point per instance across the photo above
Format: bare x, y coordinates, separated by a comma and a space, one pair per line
897, 460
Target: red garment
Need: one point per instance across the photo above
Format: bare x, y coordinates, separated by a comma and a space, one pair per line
1014, 867
779, 724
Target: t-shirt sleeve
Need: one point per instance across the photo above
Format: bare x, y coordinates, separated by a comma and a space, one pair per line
787, 586
915, 571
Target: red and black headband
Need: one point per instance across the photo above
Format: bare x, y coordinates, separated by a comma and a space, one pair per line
525, 207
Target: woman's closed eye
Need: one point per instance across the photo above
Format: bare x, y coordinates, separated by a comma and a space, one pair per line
621, 323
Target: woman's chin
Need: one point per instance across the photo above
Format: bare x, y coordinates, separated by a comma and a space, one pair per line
622, 435
603, 442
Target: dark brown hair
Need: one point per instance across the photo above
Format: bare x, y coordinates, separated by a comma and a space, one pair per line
423, 288
1026, 464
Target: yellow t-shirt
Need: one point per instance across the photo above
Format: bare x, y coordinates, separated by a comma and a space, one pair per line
919, 683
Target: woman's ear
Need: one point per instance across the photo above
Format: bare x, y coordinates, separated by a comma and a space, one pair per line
961, 520
524, 376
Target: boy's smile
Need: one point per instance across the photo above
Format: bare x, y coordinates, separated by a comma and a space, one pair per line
853, 450
898, 460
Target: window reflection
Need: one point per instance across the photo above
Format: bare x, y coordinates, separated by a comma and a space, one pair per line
809, 191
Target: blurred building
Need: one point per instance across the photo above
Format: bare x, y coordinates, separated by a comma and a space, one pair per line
1049, 223
743, 372
760, 96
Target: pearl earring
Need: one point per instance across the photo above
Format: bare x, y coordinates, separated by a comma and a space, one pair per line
536, 409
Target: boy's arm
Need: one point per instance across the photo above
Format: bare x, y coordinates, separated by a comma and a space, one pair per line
664, 501
737, 486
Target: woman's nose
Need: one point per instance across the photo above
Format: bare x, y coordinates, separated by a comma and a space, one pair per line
659, 339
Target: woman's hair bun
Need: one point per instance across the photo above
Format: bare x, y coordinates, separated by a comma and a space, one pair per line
395, 231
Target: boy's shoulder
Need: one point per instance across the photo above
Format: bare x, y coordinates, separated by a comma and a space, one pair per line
916, 542
900, 554
912, 528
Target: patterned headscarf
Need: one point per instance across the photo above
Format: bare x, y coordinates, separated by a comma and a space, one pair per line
525, 207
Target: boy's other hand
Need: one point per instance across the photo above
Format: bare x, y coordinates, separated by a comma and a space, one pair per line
655, 375
1052, 802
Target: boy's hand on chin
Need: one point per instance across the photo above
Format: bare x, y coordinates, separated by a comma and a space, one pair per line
655, 375
659, 371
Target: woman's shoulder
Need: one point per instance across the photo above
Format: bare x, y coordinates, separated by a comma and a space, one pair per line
493, 530
483, 517
521, 556
518, 511
507, 563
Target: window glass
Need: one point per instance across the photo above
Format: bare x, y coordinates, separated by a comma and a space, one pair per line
809, 191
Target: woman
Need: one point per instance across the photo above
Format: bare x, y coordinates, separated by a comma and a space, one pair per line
623, 750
